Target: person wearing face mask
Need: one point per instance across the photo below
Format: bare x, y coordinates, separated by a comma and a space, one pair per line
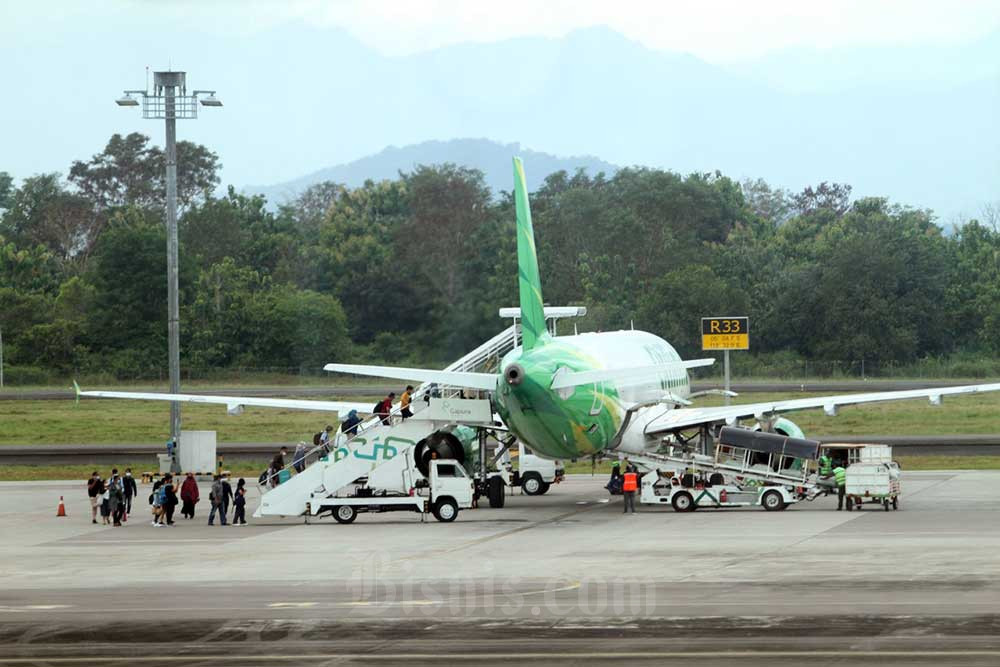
131, 491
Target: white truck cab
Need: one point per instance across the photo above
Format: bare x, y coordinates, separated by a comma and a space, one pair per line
446, 490
535, 474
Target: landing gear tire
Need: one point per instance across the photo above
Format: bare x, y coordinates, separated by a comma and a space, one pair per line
885, 504
345, 514
895, 503
496, 492
445, 510
682, 502
532, 484
772, 501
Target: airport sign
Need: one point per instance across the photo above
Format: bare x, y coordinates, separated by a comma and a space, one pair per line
725, 333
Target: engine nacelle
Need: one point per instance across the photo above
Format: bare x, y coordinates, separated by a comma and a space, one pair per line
782, 426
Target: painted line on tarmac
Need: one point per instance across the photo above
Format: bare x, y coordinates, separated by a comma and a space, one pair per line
479, 657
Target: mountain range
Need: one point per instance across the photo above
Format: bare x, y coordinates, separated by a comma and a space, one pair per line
918, 124
490, 157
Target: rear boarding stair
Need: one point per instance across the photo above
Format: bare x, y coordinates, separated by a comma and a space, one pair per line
376, 443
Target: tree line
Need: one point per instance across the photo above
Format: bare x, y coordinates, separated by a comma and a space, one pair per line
413, 269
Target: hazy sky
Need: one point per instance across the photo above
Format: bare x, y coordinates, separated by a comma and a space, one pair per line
719, 31
65, 62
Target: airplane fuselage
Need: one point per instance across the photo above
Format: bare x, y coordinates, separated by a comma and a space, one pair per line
583, 420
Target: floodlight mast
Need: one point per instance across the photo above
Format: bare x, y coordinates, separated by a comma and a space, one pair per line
169, 101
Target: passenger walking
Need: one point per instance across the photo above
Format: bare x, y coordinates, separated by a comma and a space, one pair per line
116, 498
299, 457
404, 402
189, 496
227, 497
840, 474
240, 504
105, 504
170, 498
156, 500
383, 409
277, 465
350, 425
324, 439
215, 498
131, 491
630, 482
94, 493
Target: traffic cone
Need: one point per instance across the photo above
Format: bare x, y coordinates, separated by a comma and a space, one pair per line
62, 508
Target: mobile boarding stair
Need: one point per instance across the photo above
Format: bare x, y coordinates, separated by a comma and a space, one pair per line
376, 443
745, 468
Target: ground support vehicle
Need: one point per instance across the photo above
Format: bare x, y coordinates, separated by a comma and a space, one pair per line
443, 493
745, 468
872, 475
534, 474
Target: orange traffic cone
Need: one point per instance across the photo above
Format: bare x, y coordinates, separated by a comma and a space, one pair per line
62, 508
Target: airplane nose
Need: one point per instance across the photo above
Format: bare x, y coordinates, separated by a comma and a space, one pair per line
514, 374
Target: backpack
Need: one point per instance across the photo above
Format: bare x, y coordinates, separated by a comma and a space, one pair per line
377, 410
262, 480
317, 437
216, 494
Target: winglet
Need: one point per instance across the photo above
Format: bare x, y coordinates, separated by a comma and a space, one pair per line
529, 282
77, 388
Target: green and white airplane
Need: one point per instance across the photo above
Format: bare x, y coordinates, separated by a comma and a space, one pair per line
569, 397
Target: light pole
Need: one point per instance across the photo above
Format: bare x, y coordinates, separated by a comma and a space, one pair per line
169, 101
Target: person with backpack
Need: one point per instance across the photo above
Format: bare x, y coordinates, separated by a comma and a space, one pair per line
324, 439
240, 504
189, 496
277, 465
383, 409
156, 500
350, 425
170, 498
94, 493
215, 498
116, 498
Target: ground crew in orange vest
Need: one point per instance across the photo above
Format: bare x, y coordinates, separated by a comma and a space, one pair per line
629, 486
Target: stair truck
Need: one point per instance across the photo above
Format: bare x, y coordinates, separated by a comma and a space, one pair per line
445, 490
746, 468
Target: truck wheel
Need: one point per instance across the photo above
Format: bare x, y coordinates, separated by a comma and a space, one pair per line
445, 510
545, 488
682, 502
772, 501
345, 514
532, 484
496, 491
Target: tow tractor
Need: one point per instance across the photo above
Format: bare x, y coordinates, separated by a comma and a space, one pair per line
745, 468
445, 491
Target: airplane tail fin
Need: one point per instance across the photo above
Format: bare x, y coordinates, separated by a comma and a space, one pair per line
529, 282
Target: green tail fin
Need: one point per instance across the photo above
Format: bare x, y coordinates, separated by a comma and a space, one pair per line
529, 283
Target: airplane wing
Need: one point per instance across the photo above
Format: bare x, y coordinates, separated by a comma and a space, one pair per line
484, 381
682, 418
235, 404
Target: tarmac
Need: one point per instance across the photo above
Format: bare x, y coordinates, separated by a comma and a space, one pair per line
565, 578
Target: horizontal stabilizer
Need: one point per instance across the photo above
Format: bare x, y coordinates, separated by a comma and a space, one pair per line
483, 381
637, 373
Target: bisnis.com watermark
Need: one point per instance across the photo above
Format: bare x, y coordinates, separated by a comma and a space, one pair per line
379, 584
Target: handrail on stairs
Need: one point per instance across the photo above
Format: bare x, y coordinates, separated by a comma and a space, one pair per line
491, 348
